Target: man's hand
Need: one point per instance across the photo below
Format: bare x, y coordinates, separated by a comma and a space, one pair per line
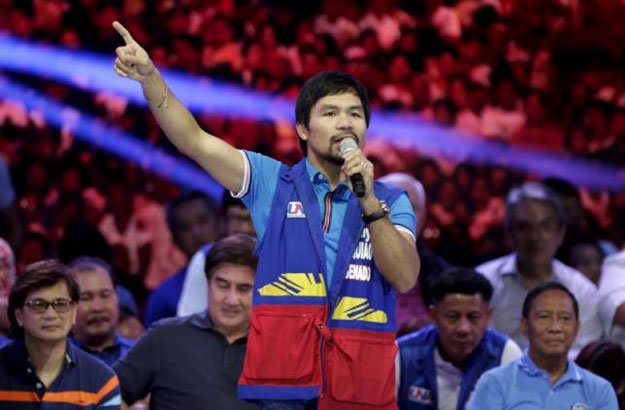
357, 163
132, 60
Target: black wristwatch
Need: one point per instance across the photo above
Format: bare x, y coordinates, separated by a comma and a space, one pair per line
379, 214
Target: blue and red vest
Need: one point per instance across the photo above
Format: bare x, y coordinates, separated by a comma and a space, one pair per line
311, 339
418, 388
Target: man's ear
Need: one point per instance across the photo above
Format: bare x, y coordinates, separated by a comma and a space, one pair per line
302, 131
19, 316
524, 327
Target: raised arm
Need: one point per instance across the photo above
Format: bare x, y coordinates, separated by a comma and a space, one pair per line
222, 161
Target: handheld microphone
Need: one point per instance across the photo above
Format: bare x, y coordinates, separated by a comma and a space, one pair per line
358, 183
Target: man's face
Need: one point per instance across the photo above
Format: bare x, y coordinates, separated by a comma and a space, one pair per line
194, 226
49, 325
332, 119
551, 326
97, 313
239, 220
460, 322
535, 232
230, 298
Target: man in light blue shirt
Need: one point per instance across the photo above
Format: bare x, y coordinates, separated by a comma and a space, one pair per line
544, 377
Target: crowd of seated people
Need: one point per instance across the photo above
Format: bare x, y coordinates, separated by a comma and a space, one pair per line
469, 65
503, 70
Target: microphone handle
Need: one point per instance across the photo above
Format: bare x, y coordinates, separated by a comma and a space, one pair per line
358, 183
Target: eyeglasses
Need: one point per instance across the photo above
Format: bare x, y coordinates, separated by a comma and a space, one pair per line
60, 305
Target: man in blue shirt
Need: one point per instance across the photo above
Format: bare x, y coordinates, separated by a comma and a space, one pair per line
97, 313
355, 305
193, 222
440, 363
544, 377
41, 368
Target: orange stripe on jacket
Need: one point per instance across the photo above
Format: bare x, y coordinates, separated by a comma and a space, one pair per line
81, 397
108, 387
13, 395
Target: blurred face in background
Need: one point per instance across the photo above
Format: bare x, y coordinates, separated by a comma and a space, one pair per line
98, 309
535, 232
587, 258
239, 220
194, 226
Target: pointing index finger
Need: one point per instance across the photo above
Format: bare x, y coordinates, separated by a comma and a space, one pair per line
123, 32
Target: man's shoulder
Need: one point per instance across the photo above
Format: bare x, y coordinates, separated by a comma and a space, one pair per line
421, 339
495, 267
89, 364
494, 336
383, 188
170, 323
501, 374
199, 320
573, 279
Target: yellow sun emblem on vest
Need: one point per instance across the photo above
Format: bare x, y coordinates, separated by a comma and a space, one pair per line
295, 284
350, 308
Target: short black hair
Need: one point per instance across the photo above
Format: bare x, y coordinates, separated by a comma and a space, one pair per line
236, 249
38, 275
604, 358
327, 83
562, 187
465, 281
187, 197
90, 263
542, 288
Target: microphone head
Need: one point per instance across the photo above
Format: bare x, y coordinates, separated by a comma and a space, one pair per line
347, 145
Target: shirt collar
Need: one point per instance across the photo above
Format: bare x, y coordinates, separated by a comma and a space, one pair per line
317, 179
572, 373
203, 320
509, 267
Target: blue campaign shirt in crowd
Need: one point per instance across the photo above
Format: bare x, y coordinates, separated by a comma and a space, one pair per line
522, 385
163, 301
109, 355
260, 185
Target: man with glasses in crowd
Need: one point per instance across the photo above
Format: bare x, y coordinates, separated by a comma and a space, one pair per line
40, 368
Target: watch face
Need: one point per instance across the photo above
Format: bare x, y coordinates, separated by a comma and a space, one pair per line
384, 207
